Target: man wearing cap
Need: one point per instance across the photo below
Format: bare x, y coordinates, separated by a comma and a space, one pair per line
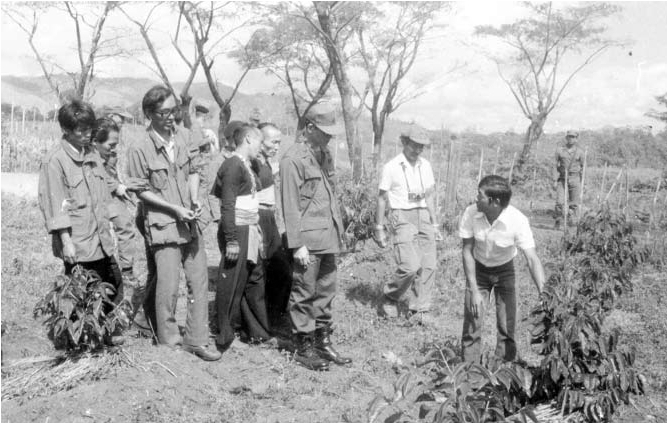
313, 231
570, 161
406, 197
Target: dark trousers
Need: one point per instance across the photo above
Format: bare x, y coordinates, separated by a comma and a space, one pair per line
239, 295
108, 271
573, 194
313, 290
277, 267
501, 280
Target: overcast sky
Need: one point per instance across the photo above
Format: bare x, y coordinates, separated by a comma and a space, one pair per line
617, 89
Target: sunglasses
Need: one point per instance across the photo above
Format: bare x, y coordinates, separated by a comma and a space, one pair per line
163, 114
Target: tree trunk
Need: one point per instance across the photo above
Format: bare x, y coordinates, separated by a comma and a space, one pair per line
533, 133
186, 99
336, 58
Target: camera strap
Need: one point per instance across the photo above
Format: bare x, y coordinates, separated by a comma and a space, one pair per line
405, 175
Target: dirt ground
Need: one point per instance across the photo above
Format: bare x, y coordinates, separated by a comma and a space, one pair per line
259, 384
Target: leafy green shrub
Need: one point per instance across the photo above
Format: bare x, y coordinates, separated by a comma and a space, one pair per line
79, 312
582, 369
358, 202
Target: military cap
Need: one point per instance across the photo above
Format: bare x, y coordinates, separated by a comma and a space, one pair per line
323, 115
572, 134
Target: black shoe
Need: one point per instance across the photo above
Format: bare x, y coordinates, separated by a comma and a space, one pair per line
202, 352
325, 350
305, 354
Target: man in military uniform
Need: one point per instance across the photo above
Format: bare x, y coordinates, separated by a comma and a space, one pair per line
406, 196
313, 230
570, 162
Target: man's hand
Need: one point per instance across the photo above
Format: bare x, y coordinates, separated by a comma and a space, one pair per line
302, 256
475, 302
232, 251
197, 208
122, 193
379, 236
184, 214
69, 252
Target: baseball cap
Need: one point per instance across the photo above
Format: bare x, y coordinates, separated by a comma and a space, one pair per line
200, 106
323, 115
573, 134
416, 134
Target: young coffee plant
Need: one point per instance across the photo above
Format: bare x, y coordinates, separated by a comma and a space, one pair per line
582, 369
358, 202
79, 312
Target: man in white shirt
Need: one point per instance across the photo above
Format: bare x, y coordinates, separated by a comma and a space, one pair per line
406, 194
492, 230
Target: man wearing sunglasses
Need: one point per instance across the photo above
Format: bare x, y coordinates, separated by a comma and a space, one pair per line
406, 196
164, 159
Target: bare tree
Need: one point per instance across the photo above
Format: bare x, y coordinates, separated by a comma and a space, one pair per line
176, 38
540, 43
210, 26
660, 115
91, 46
290, 49
388, 51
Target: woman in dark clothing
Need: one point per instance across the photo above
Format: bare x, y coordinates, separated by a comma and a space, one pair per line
240, 290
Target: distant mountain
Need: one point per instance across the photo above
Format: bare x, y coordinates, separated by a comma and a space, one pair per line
29, 92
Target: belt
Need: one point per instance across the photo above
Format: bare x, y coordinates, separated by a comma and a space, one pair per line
267, 207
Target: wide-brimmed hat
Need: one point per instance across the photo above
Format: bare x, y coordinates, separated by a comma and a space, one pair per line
416, 134
323, 115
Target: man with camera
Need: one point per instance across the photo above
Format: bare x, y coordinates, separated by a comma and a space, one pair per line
406, 198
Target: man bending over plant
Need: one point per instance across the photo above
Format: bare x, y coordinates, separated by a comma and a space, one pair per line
492, 230
74, 198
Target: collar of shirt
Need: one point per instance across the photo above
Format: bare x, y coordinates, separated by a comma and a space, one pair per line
404, 161
87, 154
502, 217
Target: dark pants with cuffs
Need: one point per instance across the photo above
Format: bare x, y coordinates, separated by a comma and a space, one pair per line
277, 267
239, 295
501, 279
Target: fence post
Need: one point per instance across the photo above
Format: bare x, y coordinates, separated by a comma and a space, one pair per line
566, 202
481, 164
613, 185
511, 168
583, 182
532, 189
627, 194
11, 120
604, 179
23, 122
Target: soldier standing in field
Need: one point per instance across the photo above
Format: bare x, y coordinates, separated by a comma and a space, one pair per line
74, 198
406, 195
570, 160
313, 229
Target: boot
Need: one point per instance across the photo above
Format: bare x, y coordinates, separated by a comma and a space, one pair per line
324, 349
305, 353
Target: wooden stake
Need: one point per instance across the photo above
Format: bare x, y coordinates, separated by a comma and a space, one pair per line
627, 194
495, 165
11, 120
23, 122
511, 168
583, 182
613, 185
532, 188
566, 202
481, 164
604, 180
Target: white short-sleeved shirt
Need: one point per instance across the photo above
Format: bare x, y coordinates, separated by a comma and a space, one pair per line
399, 177
496, 244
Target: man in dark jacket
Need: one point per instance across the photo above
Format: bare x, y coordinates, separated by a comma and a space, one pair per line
313, 228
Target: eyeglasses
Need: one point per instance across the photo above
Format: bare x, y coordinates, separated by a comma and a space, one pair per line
163, 114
